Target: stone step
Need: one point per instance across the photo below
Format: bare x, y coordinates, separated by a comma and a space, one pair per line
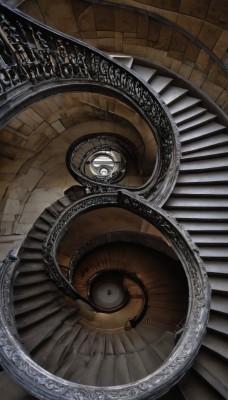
219, 284
64, 202
31, 244
213, 251
38, 289
219, 303
38, 315
217, 343
47, 341
201, 132
160, 83
196, 202
67, 349
210, 177
25, 279
123, 59
172, 94
203, 227
35, 336
189, 115
213, 370
195, 387
216, 267
216, 190
207, 154
197, 122
36, 235
218, 323
42, 226
216, 163
23, 307
205, 143
201, 215
47, 217
34, 267
31, 255
184, 104
52, 210
10, 390
210, 238
144, 72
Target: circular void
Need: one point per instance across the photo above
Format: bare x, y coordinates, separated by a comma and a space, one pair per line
97, 160
27, 373
104, 165
106, 291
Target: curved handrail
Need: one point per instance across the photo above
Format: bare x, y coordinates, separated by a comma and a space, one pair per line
47, 386
38, 61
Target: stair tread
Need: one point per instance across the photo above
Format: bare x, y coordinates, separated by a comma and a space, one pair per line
198, 121
219, 303
108, 363
219, 176
42, 350
144, 72
216, 266
208, 153
159, 83
189, 115
207, 238
59, 361
204, 143
196, 202
201, 132
213, 370
37, 289
213, 163
218, 322
25, 320
122, 373
219, 284
24, 279
217, 190
173, 93
199, 226
195, 387
11, 390
201, 215
25, 307
36, 335
123, 59
213, 251
184, 104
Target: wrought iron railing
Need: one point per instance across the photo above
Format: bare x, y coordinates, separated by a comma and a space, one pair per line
37, 61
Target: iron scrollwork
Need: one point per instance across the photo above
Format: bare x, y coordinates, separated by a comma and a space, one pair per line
47, 386
34, 54
78, 155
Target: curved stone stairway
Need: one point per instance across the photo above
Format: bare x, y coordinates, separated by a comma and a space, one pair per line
62, 339
200, 203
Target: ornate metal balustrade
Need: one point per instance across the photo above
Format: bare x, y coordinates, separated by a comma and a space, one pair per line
83, 152
41, 383
37, 61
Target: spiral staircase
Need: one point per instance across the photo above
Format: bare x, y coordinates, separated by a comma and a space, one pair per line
69, 339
